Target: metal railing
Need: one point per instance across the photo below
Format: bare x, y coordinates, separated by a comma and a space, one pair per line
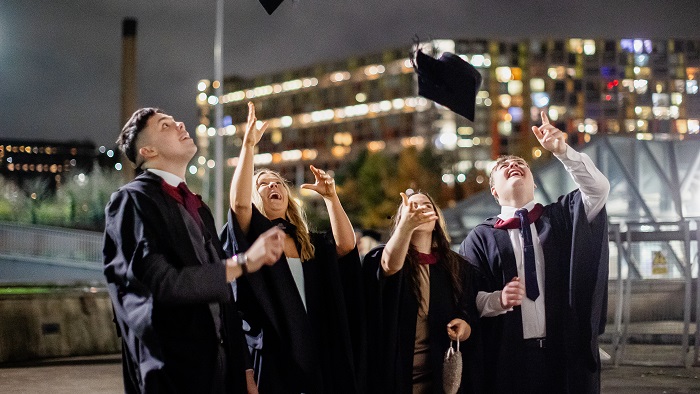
656, 260
55, 244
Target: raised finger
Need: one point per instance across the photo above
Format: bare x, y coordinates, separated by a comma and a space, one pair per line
404, 199
545, 119
251, 111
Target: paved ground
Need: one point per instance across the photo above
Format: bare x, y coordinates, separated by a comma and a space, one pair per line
102, 374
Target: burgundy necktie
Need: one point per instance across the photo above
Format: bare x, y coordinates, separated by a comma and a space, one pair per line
522, 221
184, 196
514, 222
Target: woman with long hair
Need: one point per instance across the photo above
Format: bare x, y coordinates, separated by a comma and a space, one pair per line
420, 296
304, 316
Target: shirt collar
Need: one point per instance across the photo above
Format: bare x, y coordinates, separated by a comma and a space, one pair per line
169, 178
509, 212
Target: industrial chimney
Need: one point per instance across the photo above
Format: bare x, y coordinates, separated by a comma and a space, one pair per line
128, 97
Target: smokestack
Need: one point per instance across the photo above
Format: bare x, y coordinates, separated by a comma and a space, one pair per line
128, 97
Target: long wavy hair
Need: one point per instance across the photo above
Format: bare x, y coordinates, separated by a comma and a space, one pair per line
450, 260
294, 214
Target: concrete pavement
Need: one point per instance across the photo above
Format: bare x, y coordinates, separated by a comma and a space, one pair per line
102, 374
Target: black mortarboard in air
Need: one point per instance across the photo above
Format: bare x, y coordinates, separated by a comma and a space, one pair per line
450, 81
271, 5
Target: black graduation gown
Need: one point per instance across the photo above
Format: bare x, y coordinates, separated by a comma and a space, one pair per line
576, 284
392, 310
319, 351
167, 284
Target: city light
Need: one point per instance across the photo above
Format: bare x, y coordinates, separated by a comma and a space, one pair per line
286, 121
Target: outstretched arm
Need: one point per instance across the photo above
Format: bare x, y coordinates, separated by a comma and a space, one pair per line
396, 249
343, 233
242, 182
594, 186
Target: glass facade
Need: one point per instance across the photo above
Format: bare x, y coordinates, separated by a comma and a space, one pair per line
329, 112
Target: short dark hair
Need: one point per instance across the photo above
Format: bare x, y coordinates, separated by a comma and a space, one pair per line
127, 138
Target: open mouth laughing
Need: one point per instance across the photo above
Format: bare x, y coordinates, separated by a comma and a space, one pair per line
515, 171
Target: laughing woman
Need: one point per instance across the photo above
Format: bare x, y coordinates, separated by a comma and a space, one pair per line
306, 310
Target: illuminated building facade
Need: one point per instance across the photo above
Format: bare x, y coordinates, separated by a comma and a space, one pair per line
24, 160
327, 113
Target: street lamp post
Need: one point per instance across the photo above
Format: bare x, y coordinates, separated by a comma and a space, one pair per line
219, 114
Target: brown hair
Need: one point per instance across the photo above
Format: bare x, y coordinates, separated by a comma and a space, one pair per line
294, 214
441, 246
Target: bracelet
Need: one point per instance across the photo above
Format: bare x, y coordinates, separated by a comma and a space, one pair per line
242, 261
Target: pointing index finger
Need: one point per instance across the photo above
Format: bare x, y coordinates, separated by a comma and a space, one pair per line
404, 199
545, 119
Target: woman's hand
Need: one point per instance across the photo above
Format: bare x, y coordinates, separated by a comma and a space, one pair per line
459, 329
413, 214
253, 134
324, 184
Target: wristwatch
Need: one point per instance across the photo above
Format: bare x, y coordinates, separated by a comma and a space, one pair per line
242, 261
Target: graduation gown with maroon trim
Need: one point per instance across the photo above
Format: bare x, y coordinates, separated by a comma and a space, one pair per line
392, 310
168, 287
319, 351
576, 283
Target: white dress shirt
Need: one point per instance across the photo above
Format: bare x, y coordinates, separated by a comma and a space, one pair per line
298, 275
594, 189
169, 178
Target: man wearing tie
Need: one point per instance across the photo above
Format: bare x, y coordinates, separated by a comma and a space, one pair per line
167, 275
543, 295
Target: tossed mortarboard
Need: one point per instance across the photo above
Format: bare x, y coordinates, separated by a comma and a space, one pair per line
450, 81
270, 5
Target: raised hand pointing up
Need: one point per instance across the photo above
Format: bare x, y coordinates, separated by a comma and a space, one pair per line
550, 137
252, 132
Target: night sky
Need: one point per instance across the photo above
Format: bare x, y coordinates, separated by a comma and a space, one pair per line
60, 59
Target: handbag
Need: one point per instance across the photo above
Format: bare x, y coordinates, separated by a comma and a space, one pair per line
452, 369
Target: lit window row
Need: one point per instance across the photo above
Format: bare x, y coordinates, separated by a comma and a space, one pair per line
53, 168
408, 104
343, 141
586, 47
367, 72
279, 157
29, 149
590, 126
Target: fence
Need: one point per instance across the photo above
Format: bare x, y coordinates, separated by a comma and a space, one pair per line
55, 245
653, 296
